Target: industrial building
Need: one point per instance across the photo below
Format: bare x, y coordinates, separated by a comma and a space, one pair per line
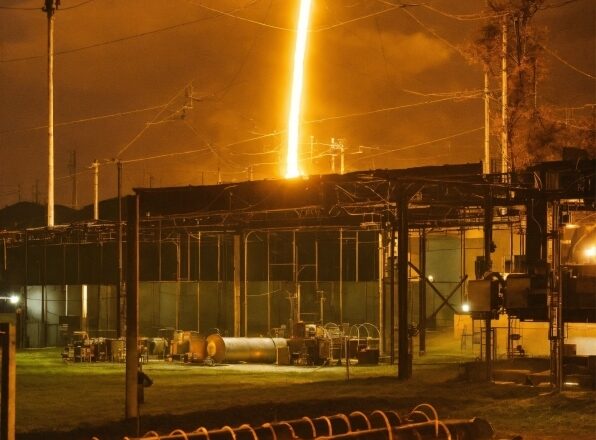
410, 250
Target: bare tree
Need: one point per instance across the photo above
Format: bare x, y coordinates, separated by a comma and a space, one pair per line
536, 133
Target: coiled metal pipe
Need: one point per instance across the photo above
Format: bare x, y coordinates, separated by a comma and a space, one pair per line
378, 425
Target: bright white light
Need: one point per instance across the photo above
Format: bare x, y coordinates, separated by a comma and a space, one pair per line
590, 252
465, 307
14, 299
431, 278
297, 85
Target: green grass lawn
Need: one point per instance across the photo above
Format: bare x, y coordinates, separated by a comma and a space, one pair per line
88, 399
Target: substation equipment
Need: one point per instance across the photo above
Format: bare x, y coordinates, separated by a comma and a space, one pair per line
168, 230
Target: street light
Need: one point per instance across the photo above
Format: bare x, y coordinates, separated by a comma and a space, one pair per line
13, 299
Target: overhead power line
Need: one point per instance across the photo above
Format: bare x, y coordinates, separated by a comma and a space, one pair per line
387, 109
79, 121
437, 36
147, 125
567, 63
165, 155
239, 17
117, 40
557, 5
464, 17
18, 8
83, 3
363, 17
420, 144
320, 29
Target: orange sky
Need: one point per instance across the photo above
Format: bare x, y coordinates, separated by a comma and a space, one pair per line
239, 69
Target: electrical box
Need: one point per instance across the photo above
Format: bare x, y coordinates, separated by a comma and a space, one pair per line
517, 291
483, 296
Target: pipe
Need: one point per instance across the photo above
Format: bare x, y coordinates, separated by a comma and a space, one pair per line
254, 350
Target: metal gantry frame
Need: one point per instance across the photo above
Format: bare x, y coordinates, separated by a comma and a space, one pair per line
451, 197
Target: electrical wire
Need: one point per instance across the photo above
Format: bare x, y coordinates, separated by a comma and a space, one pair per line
146, 126
117, 40
557, 5
456, 94
363, 17
281, 28
463, 17
581, 107
17, 8
78, 121
420, 144
383, 52
83, 3
238, 17
387, 109
437, 36
215, 152
568, 64
224, 91
165, 155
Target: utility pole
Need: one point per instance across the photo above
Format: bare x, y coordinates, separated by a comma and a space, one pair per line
486, 163
341, 156
95, 167
49, 8
312, 148
119, 308
36, 191
332, 155
72, 168
504, 111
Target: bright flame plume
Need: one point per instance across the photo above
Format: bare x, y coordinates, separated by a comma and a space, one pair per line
292, 169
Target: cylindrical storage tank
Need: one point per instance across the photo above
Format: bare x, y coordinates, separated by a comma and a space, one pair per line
198, 346
254, 350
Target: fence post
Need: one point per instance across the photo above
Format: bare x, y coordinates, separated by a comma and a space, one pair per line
7, 403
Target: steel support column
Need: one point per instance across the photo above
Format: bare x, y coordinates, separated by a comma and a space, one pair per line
404, 359
8, 374
132, 308
556, 325
488, 239
381, 287
392, 295
237, 285
119, 270
422, 294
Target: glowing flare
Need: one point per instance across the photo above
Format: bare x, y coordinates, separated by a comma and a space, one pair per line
297, 83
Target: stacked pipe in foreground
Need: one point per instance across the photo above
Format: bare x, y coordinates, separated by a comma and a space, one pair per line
420, 424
